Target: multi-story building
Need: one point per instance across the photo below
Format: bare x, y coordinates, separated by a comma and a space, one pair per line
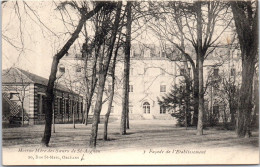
152, 75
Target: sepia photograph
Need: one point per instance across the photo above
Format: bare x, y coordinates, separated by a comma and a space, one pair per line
130, 82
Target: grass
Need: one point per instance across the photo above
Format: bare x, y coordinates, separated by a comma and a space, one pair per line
142, 134
143, 144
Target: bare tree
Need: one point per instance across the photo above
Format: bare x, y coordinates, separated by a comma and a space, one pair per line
85, 15
246, 21
112, 91
198, 30
90, 52
104, 62
125, 102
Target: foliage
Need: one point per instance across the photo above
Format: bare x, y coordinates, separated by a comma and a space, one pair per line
222, 95
174, 101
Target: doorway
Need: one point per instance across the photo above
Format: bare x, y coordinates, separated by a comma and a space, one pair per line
146, 108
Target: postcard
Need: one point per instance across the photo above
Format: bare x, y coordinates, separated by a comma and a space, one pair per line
130, 82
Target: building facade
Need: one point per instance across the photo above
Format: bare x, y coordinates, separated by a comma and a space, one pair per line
153, 73
24, 95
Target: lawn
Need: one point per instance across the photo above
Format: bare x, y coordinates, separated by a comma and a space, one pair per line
146, 138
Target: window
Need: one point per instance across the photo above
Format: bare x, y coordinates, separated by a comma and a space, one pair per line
62, 69
130, 109
162, 110
77, 107
233, 72
215, 72
40, 103
112, 109
163, 54
147, 53
189, 71
93, 109
131, 88
43, 105
132, 53
163, 88
70, 106
146, 108
78, 69
215, 110
162, 71
131, 71
81, 107
109, 88
181, 89
182, 71
58, 106
67, 106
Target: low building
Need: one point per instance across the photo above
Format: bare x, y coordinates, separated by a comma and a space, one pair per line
23, 95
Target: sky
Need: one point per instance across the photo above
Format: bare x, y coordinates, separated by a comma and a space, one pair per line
41, 34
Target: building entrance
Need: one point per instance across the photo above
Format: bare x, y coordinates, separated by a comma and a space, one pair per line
146, 108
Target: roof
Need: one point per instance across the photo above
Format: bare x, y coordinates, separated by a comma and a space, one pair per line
154, 51
19, 76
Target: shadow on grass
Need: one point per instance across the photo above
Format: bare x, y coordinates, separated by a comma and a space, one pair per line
109, 139
127, 133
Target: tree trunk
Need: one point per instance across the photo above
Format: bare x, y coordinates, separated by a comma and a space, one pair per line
246, 22
232, 111
98, 106
22, 113
49, 92
195, 96
256, 101
53, 118
93, 81
84, 120
73, 116
187, 103
125, 100
109, 108
102, 78
86, 112
201, 100
127, 118
49, 100
245, 99
187, 79
112, 89
200, 68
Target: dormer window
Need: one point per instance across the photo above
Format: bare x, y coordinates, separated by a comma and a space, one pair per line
162, 88
147, 53
162, 71
131, 71
78, 69
62, 69
233, 72
131, 88
215, 72
182, 71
